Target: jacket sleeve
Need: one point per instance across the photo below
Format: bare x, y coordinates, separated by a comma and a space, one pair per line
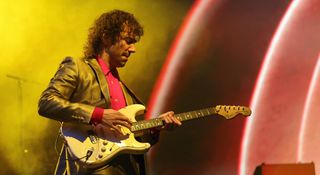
151, 136
55, 102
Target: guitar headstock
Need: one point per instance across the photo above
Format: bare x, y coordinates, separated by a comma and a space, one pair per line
230, 112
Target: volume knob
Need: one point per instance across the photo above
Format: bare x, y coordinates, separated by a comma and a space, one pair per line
104, 142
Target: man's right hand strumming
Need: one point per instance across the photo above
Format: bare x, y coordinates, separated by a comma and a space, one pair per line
111, 124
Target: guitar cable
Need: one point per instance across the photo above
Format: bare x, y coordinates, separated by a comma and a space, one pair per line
56, 143
88, 154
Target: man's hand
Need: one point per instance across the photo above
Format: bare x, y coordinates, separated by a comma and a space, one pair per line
171, 122
111, 124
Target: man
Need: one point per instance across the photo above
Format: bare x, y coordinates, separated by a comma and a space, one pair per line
88, 91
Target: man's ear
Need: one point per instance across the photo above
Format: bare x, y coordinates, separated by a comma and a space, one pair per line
107, 42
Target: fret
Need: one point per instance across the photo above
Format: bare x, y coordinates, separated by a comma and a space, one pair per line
195, 114
180, 117
191, 116
188, 115
203, 112
147, 124
208, 111
184, 115
200, 113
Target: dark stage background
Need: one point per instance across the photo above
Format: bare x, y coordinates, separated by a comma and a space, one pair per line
220, 67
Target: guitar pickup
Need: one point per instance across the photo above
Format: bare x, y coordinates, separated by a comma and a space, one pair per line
92, 137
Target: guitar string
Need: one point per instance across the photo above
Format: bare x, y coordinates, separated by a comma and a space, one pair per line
89, 153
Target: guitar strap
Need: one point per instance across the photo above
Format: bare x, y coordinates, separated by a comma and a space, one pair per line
137, 99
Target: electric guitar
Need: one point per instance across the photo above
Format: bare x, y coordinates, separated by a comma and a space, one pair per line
93, 151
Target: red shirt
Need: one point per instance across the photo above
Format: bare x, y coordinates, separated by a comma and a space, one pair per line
116, 95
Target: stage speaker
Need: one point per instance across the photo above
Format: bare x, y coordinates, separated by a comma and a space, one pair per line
286, 169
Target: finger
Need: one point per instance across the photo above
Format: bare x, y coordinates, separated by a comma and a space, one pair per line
111, 114
168, 119
164, 114
173, 118
165, 119
167, 114
110, 125
123, 123
117, 129
176, 121
123, 118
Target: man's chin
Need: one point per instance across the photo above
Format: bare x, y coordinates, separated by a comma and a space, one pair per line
122, 64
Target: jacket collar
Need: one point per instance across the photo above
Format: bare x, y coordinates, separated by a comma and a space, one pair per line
100, 77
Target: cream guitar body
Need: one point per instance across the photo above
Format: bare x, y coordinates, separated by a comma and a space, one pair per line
93, 151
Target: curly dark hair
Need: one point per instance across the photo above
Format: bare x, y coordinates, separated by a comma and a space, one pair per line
110, 25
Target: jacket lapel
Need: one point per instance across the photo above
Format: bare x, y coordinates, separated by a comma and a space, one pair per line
100, 77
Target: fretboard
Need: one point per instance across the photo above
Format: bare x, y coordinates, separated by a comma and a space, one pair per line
157, 122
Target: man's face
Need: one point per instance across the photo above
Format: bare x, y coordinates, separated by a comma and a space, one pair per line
120, 52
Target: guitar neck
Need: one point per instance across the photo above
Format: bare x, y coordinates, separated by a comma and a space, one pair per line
157, 122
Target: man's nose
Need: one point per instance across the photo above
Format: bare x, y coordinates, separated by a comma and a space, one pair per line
132, 48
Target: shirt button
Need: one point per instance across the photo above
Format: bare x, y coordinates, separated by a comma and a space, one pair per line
116, 100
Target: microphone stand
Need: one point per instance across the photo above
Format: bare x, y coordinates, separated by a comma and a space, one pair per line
21, 121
